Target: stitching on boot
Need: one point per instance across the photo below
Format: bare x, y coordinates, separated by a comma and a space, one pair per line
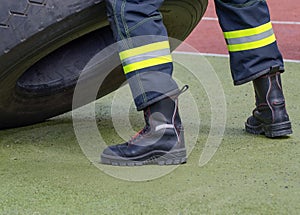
267, 96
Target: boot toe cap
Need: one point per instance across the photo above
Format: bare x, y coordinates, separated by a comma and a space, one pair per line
111, 151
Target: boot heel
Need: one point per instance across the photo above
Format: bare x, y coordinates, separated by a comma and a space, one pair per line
278, 129
172, 158
254, 129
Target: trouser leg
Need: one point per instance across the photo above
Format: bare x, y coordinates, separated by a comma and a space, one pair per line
250, 38
147, 63
144, 49
254, 56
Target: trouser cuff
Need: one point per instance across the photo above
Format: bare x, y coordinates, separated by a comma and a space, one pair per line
259, 74
150, 87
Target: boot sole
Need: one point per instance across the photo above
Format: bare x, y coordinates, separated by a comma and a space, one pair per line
272, 130
174, 157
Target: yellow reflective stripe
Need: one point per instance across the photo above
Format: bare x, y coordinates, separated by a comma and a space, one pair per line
252, 45
248, 32
144, 49
147, 63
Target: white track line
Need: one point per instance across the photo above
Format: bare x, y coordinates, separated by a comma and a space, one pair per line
221, 55
209, 18
274, 22
285, 23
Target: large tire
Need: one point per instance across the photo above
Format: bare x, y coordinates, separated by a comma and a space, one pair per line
45, 44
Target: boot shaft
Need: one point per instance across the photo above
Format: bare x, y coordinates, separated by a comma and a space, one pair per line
163, 113
270, 102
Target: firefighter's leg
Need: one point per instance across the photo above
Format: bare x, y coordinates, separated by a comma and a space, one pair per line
254, 56
147, 63
144, 49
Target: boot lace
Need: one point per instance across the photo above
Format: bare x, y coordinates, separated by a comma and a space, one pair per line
139, 134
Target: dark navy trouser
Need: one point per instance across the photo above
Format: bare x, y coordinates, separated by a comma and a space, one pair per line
145, 52
250, 38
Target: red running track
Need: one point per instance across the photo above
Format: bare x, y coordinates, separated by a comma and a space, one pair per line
285, 16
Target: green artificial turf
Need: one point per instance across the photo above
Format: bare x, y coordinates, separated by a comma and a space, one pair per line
44, 171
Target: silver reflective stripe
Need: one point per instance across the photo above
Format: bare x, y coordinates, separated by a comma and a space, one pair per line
248, 39
145, 56
163, 126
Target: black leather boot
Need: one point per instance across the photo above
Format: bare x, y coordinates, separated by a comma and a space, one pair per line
270, 116
161, 141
